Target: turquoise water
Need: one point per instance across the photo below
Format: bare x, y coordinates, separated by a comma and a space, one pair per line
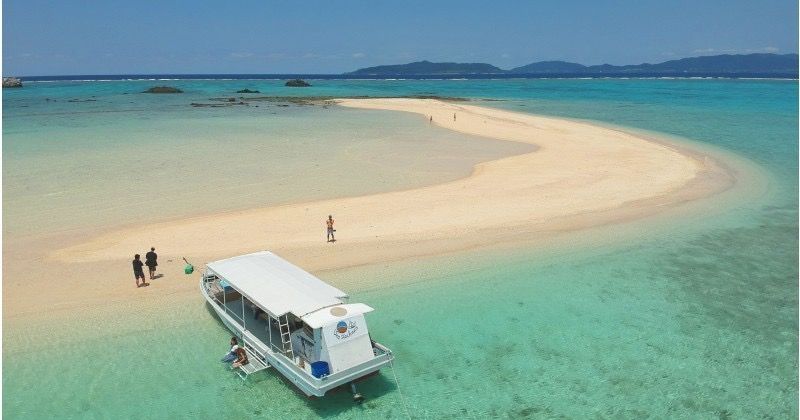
134, 158
695, 321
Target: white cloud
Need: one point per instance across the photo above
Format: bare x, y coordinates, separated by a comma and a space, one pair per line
241, 54
732, 50
504, 55
359, 55
761, 50
715, 50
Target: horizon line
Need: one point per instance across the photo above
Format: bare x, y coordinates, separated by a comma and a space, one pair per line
411, 62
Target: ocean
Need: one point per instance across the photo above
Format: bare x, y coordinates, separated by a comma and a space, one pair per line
698, 319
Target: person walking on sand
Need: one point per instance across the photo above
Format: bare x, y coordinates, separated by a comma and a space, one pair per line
138, 272
431, 121
151, 263
331, 230
454, 117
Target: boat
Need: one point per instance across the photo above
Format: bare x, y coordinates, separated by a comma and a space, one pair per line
290, 320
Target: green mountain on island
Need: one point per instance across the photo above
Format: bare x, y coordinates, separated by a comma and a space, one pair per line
426, 67
779, 64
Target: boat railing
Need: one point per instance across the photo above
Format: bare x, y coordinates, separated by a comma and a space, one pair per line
379, 349
254, 350
382, 355
282, 353
356, 370
213, 289
276, 349
212, 286
233, 314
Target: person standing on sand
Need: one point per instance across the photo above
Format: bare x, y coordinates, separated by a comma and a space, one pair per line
137, 271
331, 230
431, 121
454, 117
151, 263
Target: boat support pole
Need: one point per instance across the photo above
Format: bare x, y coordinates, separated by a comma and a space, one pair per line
357, 398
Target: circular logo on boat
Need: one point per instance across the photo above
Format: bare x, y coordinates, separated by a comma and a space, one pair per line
345, 329
341, 327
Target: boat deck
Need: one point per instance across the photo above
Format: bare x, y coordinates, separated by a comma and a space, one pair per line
256, 325
255, 365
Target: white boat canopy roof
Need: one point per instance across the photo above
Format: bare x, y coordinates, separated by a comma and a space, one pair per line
276, 285
328, 316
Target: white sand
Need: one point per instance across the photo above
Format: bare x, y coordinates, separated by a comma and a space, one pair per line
580, 176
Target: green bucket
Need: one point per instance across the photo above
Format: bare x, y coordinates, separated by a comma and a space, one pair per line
189, 269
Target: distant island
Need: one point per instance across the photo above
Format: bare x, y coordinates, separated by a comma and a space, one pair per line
163, 89
727, 64
297, 83
426, 67
11, 82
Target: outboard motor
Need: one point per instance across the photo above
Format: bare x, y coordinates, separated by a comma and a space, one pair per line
357, 398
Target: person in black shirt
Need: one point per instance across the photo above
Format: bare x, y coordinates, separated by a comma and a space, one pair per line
150, 261
137, 271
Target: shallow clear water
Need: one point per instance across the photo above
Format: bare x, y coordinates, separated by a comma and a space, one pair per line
695, 321
71, 165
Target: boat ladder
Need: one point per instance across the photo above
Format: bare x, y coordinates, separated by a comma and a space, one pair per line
286, 338
255, 364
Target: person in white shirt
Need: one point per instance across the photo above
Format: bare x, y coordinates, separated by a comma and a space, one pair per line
231, 356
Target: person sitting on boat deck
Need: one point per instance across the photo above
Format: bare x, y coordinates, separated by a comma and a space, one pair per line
138, 272
331, 230
231, 356
241, 358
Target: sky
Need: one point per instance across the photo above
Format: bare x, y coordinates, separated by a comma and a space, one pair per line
174, 37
